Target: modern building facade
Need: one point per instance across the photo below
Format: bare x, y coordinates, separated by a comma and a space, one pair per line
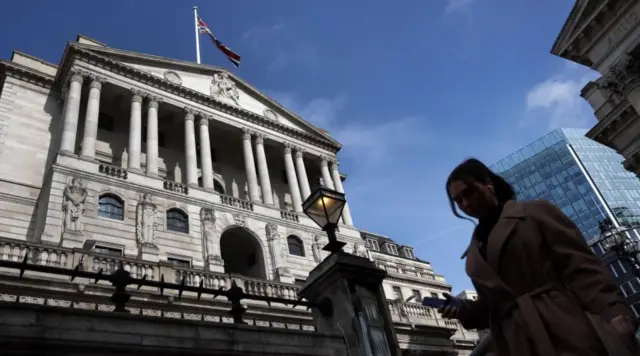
604, 35
586, 180
178, 172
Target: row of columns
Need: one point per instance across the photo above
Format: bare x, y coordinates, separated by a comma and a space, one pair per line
293, 156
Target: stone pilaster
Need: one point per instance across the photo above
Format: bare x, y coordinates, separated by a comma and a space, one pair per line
293, 180
71, 113
305, 190
135, 131
190, 148
263, 170
250, 165
152, 136
91, 119
205, 153
337, 182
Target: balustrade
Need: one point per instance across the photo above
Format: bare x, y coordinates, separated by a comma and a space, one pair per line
176, 187
288, 215
12, 250
113, 171
236, 203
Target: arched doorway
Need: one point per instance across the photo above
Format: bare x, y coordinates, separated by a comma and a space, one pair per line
242, 253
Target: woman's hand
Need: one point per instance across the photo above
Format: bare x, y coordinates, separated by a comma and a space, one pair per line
625, 326
449, 311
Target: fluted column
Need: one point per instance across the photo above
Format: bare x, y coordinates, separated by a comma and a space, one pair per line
71, 113
135, 131
263, 170
152, 136
205, 153
337, 181
305, 190
324, 170
293, 180
190, 148
91, 119
250, 165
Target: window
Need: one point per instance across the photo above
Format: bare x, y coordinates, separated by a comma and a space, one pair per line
373, 245
435, 295
217, 187
417, 296
105, 122
111, 206
397, 293
408, 253
391, 248
177, 221
178, 262
110, 251
295, 246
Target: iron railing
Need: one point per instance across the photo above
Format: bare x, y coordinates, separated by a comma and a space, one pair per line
121, 279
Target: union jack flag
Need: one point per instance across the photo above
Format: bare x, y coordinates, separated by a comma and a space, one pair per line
231, 55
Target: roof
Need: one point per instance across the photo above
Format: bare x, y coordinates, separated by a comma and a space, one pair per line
381, 239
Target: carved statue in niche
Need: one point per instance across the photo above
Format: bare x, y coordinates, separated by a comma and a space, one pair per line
273, 236
210, 242
223, 86
359, 249
73, 204
146, 220
318, 253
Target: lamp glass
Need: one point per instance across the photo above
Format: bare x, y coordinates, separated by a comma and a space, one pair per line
324, 206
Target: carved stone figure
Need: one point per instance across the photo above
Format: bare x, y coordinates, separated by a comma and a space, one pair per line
359, 249
73, 204
270, 114
318, 253
146, 220
223, 86
240, 220
273, 237
210, 241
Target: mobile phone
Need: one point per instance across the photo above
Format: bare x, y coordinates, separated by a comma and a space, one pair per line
437, 302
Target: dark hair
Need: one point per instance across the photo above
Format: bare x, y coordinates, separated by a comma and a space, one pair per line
474, 170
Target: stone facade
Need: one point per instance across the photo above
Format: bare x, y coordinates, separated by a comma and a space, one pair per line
604, 36
179, 172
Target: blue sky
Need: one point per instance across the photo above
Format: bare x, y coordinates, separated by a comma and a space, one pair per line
409, 87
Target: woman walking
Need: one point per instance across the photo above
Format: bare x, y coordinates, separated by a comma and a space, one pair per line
541, 290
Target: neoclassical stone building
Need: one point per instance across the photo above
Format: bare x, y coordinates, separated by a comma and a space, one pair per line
182, 173
604, 36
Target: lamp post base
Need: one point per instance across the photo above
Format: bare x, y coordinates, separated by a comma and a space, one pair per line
334, 246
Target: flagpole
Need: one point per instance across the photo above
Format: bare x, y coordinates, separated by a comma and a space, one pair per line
195, 19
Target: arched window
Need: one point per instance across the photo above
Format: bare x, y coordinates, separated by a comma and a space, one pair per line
111, 206
295, 246
177, 220
217, 187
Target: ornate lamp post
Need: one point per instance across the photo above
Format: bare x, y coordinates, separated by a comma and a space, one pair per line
618, 241
324, 206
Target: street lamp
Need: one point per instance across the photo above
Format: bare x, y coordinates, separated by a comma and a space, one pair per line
324, 206
618, 241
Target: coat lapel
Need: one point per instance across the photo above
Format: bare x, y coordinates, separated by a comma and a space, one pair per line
502, 232
480, 272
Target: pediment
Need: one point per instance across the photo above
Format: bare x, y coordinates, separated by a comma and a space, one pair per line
581, 13
215, 82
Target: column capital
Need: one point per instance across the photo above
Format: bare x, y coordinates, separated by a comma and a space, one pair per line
288, 147
324, 161
203, 120
334, 162
153, 101
190, 113
136, 95
299, 152
260, 138
76, 75
96, 81
247, 133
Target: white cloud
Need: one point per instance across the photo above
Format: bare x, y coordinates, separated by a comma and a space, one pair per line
557, 100
457, 5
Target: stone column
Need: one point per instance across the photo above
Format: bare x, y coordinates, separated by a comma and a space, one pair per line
263, 170
324, 170
135, 131
302, 174
190, 148
205, 153
293, 180
349, 291
71, 113
250, 166
152, 136
91, 119
337, 181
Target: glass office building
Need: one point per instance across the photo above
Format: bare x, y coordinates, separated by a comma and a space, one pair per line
584, 178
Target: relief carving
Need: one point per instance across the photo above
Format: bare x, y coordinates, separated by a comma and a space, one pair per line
75, 194
277, 249
318, 253
359, 249
224, 87
210, 240
146, 220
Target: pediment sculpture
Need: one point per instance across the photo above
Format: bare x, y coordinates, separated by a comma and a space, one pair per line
75, 195
224, 87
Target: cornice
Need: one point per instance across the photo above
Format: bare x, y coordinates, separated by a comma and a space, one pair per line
28, 75
116, 67
610, 125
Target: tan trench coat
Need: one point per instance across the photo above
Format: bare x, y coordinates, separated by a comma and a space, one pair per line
534, 253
